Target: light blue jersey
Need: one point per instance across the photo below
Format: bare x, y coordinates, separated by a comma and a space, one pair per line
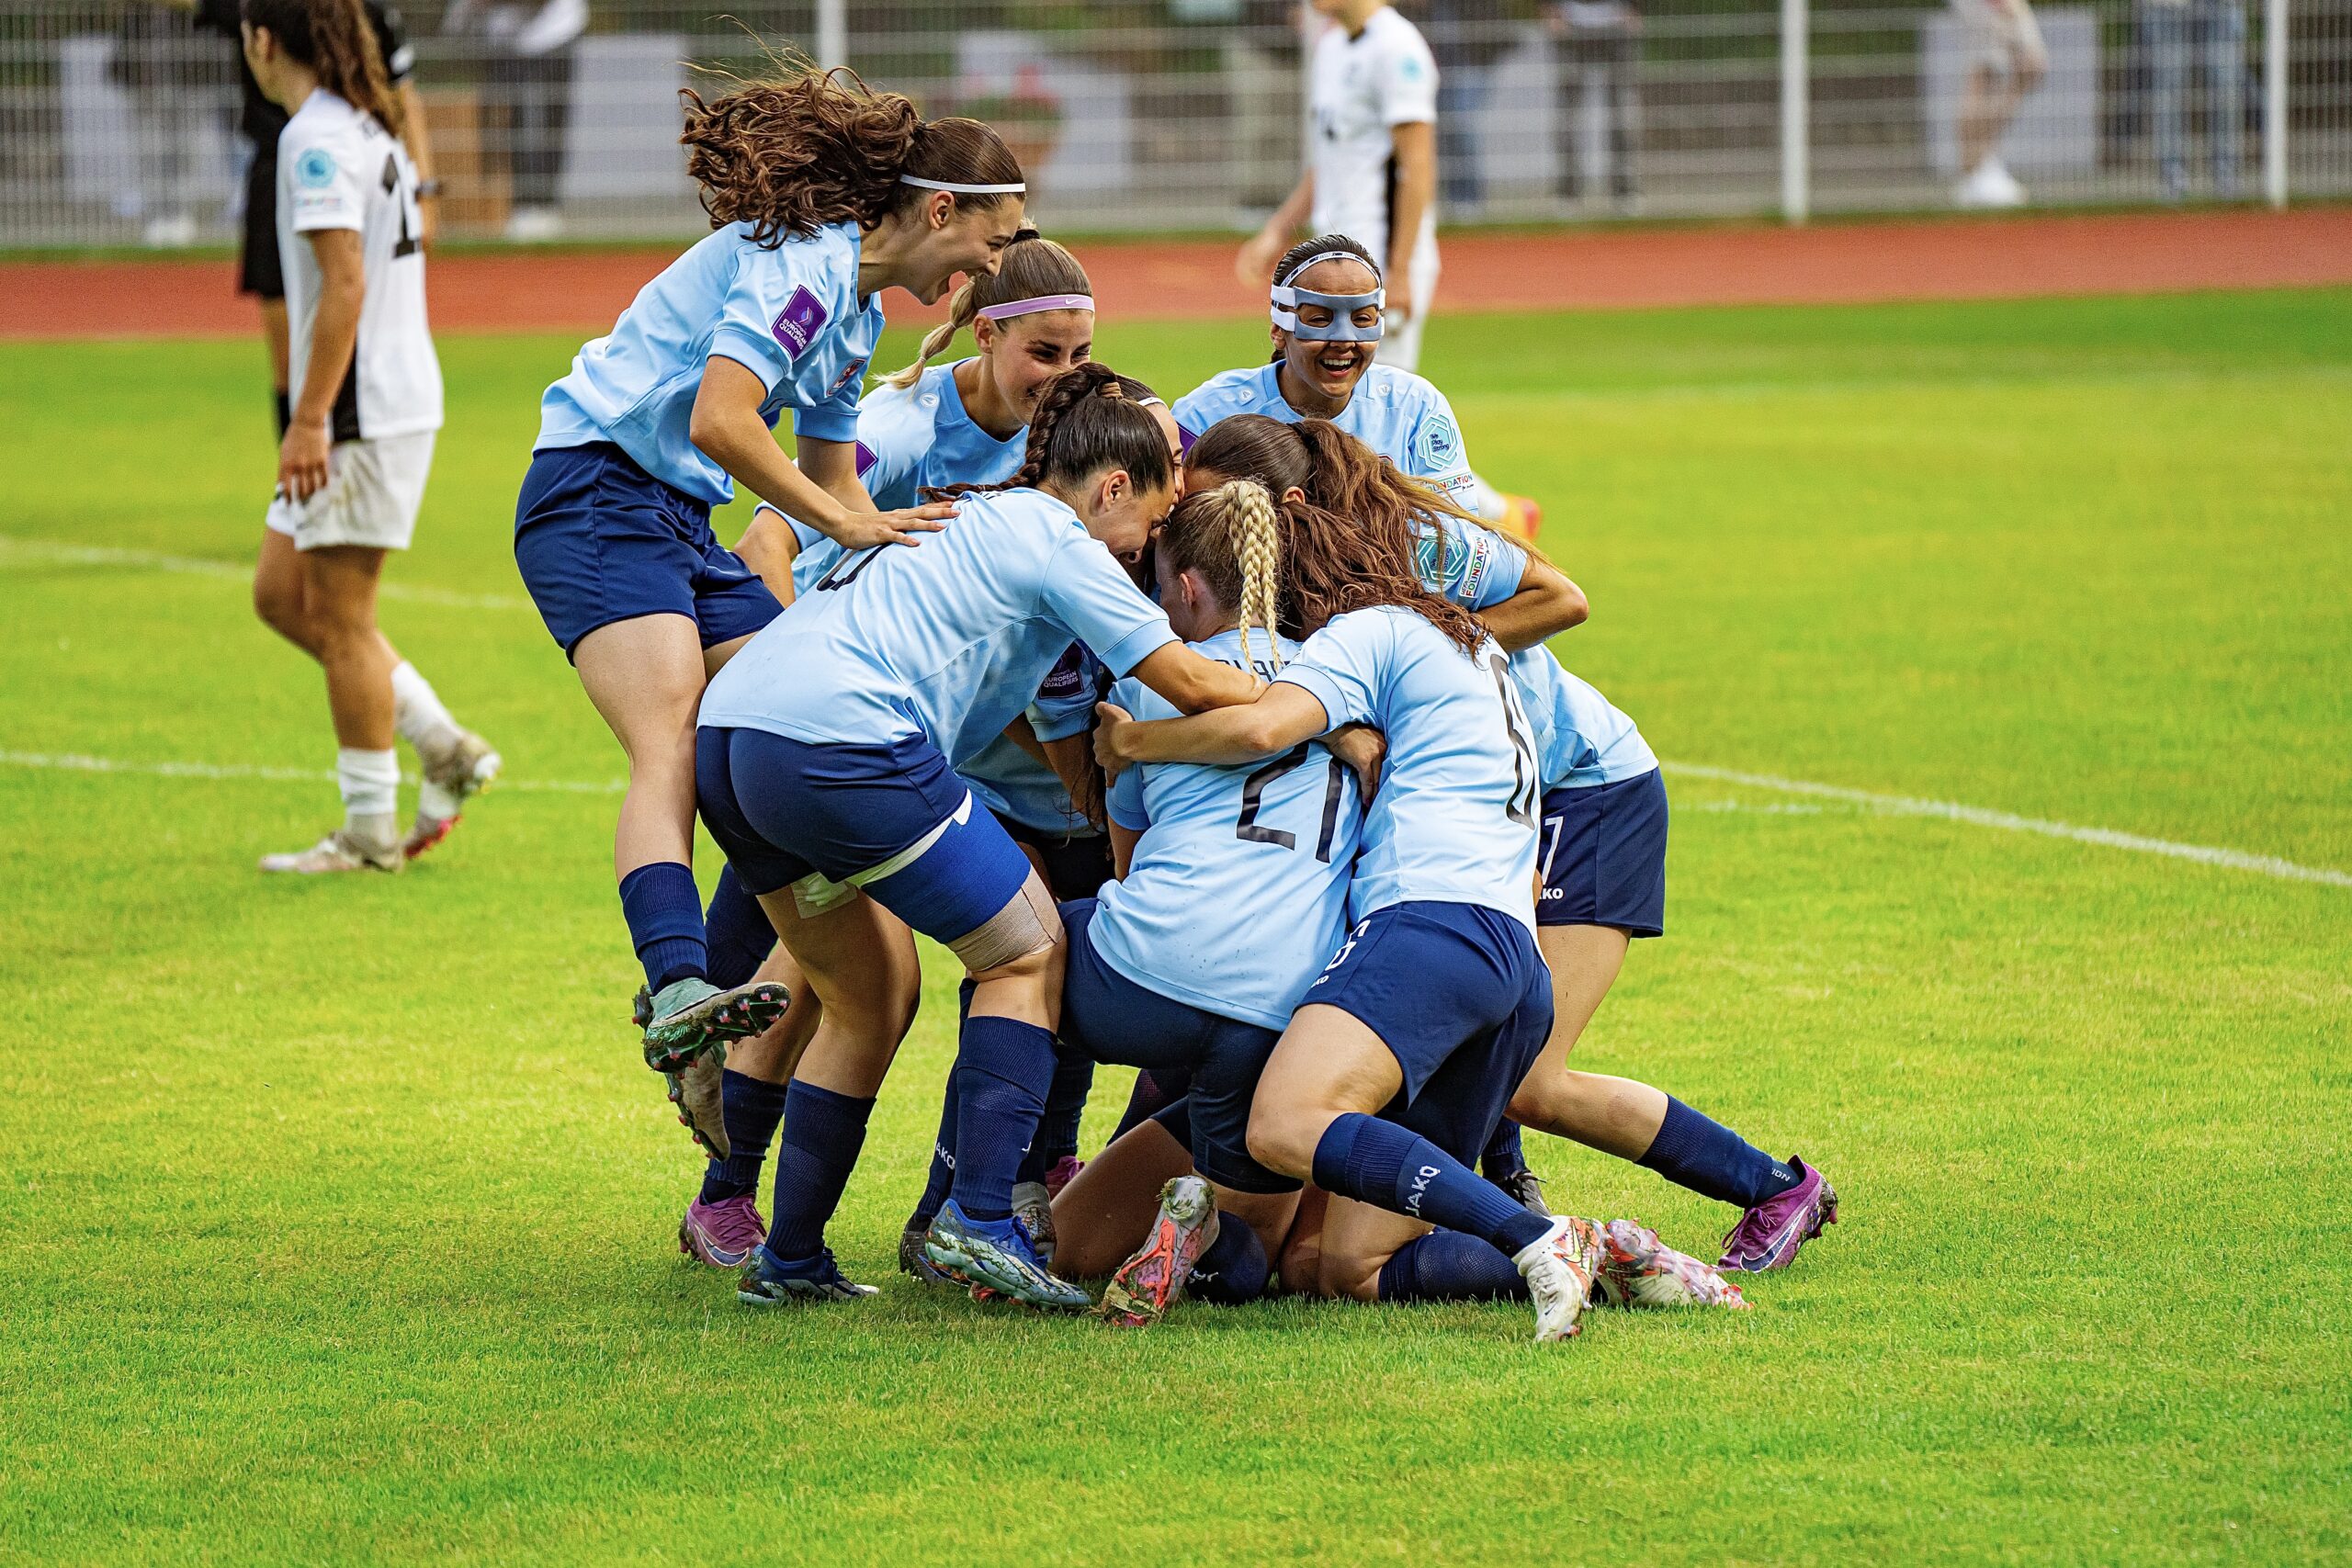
1015, 784
909, 437
1454, 819
1238, 896
790, 315
947, 639
1397, 413
1580, 740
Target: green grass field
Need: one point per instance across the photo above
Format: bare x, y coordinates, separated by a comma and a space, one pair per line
335, 1218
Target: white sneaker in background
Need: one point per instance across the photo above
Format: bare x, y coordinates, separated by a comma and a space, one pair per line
533, 225
1990, 187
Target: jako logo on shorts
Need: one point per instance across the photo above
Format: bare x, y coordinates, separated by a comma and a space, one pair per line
796, 324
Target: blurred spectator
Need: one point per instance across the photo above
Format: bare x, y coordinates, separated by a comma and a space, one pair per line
1467, 37
527, 100
2006, 59
2206, 38
155, 62
1601, 47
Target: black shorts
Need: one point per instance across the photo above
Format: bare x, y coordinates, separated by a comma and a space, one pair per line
1075, 867
258, 271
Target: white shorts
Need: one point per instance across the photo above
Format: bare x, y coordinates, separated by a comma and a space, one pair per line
1400, 342
2002, 36
374, 489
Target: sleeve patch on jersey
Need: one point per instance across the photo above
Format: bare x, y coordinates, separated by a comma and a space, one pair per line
795, 326
1438, 444
850, 372
1062, 680
315, 169
865, 456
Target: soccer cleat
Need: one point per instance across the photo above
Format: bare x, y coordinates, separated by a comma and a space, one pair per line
339, 850
723, 1234
1033, 1207
1526, 1189
1639, 1270
460, 772
1065, 1171
1768, 1235
688, 1017
912, 1259
1148, 1284
695, 1090
996, 1254
1522, 515
1559, 1268
769, 1281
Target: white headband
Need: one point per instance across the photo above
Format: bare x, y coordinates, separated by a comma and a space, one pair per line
1042, 302
1016, 188
1320, 257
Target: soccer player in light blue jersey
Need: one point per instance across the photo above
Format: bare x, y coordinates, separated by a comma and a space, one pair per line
1437, 1002
1604, 840
825, 769
1327, 323
657, 421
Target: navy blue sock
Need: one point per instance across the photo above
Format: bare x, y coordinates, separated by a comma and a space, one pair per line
1446, 1265
1380, 1163
1155, 1088
750, 1108
664, 913
943, 1162
1503, 1157
1065, 1105
822, 1132
1232, 1269
1708, 1158
738, 932
1003, 1068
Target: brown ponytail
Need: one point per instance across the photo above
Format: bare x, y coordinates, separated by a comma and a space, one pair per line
806, 148
335, 39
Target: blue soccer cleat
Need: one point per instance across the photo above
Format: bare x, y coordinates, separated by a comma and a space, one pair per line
997, 1255
769, 1281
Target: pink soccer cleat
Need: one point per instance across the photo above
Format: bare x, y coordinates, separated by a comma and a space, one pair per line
1639, 1270
723, 1234
1768, 1235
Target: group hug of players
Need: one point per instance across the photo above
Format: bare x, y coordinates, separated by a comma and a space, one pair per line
1219, 742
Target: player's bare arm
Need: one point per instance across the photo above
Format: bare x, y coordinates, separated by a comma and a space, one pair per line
342, 288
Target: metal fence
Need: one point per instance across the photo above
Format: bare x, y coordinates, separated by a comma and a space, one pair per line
117, 117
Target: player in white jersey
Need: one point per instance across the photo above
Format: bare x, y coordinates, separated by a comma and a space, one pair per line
1326, 307
1372, 162
358, 445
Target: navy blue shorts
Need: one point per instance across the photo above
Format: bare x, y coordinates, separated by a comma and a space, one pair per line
1075, 867
1109, 1017
782, 809
600, 540
1460, 994
1604, 856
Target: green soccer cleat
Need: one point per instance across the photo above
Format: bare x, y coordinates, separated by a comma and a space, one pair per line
688, 1017
997, 1255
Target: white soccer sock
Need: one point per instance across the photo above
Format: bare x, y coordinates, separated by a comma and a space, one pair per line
417, 712
371, 782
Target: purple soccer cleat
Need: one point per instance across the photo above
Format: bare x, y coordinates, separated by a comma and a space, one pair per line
1768, 1235
724, 1234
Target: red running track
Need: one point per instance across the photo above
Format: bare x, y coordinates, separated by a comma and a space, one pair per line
581, 292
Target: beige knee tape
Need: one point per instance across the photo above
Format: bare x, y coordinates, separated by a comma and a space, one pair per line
1022, 927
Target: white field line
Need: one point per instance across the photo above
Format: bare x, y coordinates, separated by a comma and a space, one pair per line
73, 762
195, 566
1978, 816
1892, 805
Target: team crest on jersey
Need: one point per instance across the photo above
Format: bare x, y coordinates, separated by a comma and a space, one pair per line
795, 326
1438, 444
315, 169
850, 372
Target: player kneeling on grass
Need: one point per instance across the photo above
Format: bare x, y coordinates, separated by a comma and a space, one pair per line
824, 767
1437, 1002
366, 402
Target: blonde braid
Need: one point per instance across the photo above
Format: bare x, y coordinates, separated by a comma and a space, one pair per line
963, 310
1251, 524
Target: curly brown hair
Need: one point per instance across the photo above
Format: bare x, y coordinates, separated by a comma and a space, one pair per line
804, 147
334, 40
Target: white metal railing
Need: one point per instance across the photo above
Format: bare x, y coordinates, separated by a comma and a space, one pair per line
116, 117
